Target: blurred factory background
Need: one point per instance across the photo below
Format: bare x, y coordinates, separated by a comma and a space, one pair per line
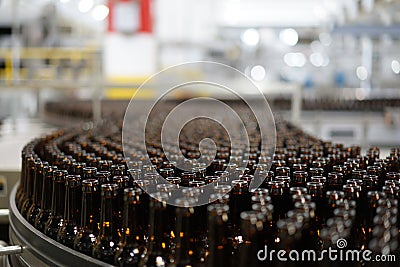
331, 67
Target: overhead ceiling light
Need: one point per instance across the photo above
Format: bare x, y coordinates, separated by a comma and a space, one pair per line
85, 5
289, 36
362, 73
257, 73
396, 66
250, 37
294, 59
316, 59
100, 12
319, 59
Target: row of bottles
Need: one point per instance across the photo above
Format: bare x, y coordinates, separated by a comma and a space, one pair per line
77, 188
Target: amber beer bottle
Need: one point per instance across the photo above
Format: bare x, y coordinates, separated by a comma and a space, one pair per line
24, 181
158, 253
240, 200
73, 199
132, 244
21, 187
276, 194
122, 182
45, 203
315, 189
88, 232
252, 225
28, 199
105, 246
57, 204
220, 247
372, 203
185, 245
357, 232
89, 172
37, 192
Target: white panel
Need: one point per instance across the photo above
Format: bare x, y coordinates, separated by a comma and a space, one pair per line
129, 55
184, 20
126, 17
275, 13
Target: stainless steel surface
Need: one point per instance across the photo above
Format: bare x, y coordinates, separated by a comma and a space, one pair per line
40, 250
4, 216
10, 250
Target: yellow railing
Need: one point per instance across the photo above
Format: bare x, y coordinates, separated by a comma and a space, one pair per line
48, 64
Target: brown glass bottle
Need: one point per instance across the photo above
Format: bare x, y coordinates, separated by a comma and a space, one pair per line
37, 192
316, 190
78, 167
353, 192
122, 182
45, 202
132, 244
103, 177
185, 245
300, 179
57, 204
252, 226
28, 197
159, 248
71, 221
117, 170
89, 173
106, 244
27, 159
90, 210
239, 201
372, 203
276, 194
305, 214
220, 247
332, 198
334, 181
24, 157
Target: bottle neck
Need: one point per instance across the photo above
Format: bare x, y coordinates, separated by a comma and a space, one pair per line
37, 187
45, 203
158, 230
89, 215
184, 234
132, 223
29, 181
58, 198
73, 197
106, 217
218, 233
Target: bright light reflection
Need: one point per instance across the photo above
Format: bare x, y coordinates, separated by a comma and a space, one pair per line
100, 12
85, 5
294, 59
362, 73
257, 73
289, 36
395, 66
250, 37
